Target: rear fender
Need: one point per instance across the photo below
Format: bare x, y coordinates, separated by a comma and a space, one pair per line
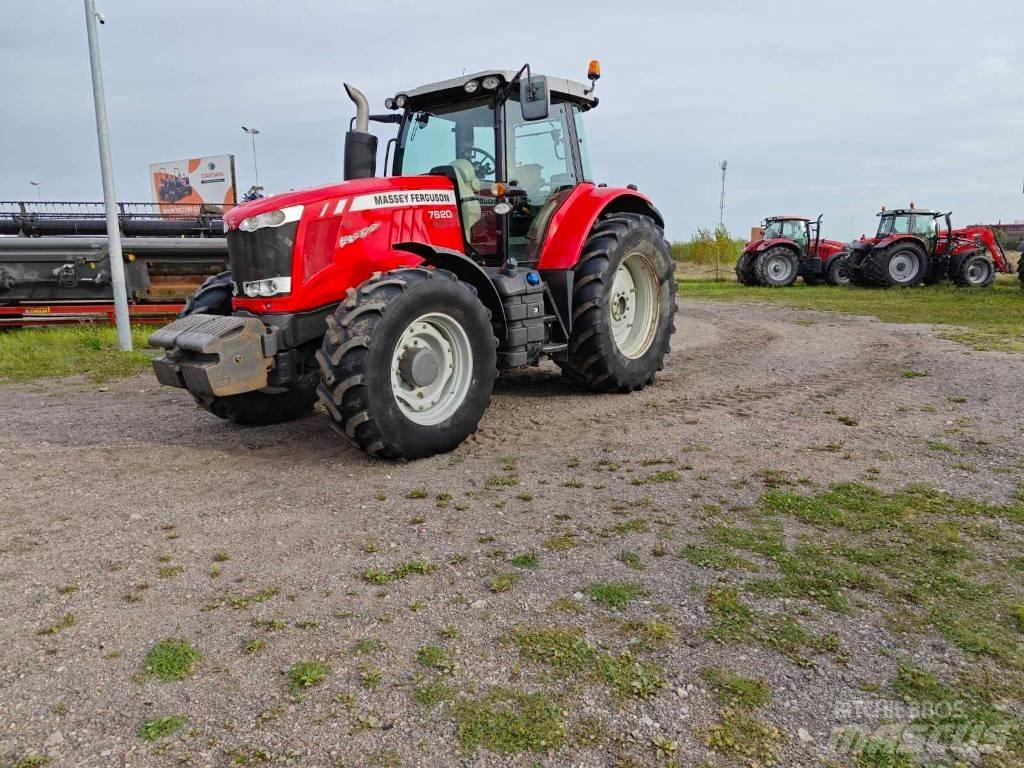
571, 223
466, 270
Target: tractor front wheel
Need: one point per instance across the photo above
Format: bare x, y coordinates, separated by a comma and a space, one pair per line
903, 264
408, 363
263, 406
778, 267
838, 272
624, 304
977, 271
745, 268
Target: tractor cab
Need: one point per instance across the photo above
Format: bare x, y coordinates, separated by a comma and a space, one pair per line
793, 228
511, 166
914, 222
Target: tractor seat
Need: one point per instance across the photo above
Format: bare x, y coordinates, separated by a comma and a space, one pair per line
468, 190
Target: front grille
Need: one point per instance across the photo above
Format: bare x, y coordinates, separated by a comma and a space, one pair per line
261, 254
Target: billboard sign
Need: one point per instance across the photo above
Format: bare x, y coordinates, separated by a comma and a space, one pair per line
197, 180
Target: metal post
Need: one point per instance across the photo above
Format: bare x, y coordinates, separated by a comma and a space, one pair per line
721, 222
252, 132
124, 331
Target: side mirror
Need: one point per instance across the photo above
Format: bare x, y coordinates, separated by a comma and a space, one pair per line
534, 97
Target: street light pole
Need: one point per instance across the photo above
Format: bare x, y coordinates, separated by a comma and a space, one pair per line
39, 188
252, 132
124, 332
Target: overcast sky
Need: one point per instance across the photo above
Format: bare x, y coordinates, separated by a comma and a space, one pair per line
819, 107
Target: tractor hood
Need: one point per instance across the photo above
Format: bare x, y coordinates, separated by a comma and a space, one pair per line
346, 189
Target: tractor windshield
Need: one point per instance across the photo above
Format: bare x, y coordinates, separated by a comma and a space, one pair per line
791, 229
460, 137
894, 224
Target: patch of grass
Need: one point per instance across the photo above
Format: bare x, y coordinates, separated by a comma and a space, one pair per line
938, 445
738, 733
626, 527
170, 571
399, 572
913, 374
66, 621
306, 674
221, 556
152, 730
718, 558
615, 594
171, 660
632, 560
67, 589
367, 646
507, 480
255, 646
650, 633
430, 694
503, 582
629, 676
435, 657
561, 542
72, 350
241, 602
662, 476
989, 319
569, 653
32, 761
370, 678
526, 560
510, 722
735, 690
417, 493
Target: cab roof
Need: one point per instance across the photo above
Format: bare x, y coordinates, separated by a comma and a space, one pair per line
558, 86
787, 218
901, 211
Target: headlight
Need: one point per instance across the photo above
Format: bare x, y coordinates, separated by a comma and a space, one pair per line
400, 100
271, 218
471, 86
272, 286
490, 83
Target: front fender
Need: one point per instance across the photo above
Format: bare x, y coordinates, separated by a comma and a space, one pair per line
571, 223
466, 270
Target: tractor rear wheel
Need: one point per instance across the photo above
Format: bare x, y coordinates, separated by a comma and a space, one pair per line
778, 267
838, 272
745, 268
252, 408
623, 305
408, 363
903, 264
975, 271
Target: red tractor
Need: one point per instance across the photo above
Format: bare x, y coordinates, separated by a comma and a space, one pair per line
395, 300
791, 247
914, 246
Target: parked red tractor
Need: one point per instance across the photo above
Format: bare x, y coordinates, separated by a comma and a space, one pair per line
791, 247
396, 299
914, 246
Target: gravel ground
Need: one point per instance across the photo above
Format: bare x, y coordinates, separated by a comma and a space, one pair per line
103, 487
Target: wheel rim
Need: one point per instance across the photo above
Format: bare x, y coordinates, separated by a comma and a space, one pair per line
977, 272
779, 269
842, 275
903, 267
633, 306
431, 368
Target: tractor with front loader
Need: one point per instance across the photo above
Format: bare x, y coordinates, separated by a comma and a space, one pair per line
394, 300
790, 247
915, 246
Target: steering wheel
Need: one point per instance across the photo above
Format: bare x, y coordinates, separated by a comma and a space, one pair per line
484, 166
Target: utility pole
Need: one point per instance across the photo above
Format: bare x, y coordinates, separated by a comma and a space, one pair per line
721, 224
39, 188
721, 200
252, 132
124, 331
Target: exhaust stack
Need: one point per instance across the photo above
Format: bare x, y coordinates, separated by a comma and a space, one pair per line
360, 144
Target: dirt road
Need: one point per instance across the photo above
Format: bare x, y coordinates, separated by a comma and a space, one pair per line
129, 516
